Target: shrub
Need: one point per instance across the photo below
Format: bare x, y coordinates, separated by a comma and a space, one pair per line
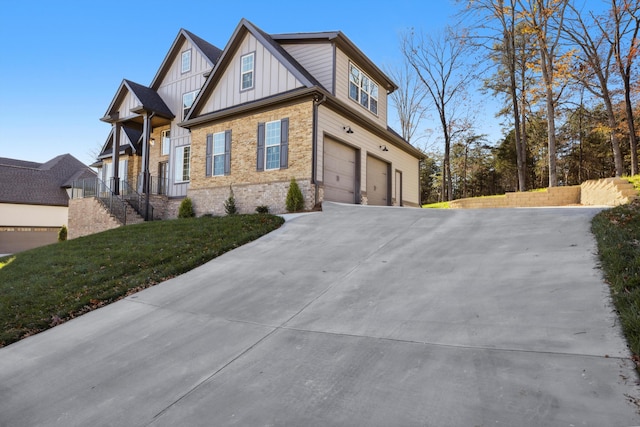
186, 209
62, 234
295, 201
230, 203
262, 209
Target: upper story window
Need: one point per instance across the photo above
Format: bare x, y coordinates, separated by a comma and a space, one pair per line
187, 102
186, 61
166, 142
362, 89
246, 73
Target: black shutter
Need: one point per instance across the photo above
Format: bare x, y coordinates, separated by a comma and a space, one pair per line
227, 152
209, 158
260, 161
284, 143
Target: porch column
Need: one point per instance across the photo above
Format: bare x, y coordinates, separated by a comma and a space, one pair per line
115, 159
146, 138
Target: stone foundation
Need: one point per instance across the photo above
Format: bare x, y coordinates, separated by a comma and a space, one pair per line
249, 196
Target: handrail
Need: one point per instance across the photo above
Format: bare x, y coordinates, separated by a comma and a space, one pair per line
96, 188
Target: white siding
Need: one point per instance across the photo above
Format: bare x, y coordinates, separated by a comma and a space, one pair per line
317, 58
342, 90
331, 124
270, 78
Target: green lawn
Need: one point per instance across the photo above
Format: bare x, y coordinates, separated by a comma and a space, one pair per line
617, 232
45, 286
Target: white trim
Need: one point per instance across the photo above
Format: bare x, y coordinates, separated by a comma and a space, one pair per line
185, 54
179, 164
365, 85
267, 145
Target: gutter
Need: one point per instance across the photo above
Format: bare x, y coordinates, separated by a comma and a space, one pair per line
317, 101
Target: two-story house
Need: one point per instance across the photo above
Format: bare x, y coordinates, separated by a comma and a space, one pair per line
265, 109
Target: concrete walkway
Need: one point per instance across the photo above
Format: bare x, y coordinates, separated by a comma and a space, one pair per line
354, 316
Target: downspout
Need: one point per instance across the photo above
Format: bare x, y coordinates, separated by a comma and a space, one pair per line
314, 145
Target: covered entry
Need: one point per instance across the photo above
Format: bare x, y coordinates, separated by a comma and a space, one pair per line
340, 167
377, 182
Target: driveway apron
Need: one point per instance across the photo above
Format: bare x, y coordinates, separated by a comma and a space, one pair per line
358, 316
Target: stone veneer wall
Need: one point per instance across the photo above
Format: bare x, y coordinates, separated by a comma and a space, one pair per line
88, 216
252, 188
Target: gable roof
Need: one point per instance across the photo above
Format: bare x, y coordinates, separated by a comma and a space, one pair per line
132, 142
209, 51
24, 182
148, 98
243, 28
347, 46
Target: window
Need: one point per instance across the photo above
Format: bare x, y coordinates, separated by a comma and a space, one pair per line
218, 160
246, 74
187, 102
273, 145
186, 61
183, 163
362, 89
166, 142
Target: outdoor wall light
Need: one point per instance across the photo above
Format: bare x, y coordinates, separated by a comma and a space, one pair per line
384, 148
153, 142
347, 129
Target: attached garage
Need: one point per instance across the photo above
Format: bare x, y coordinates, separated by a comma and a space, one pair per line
377, 182
340, 172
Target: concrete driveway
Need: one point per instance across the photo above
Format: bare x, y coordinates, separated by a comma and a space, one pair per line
354, 316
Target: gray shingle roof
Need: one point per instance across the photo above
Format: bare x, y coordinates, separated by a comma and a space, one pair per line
32, 183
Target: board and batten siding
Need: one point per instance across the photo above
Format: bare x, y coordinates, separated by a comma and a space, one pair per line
130, 102
175, 84
270, 77
331, 124
342, 89
317, 58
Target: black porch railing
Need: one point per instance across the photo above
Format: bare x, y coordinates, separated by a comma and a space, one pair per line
96, 188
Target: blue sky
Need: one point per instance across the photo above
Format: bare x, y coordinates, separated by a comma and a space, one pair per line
64, 60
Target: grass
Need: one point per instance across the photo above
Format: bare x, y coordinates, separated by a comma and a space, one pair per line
635, 180
43, 287
439, 205
617, 232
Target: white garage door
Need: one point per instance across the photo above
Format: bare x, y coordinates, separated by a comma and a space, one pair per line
339, 172
377, 182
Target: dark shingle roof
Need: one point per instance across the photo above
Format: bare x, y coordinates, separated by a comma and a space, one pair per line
211, 52
150, 99
32, 183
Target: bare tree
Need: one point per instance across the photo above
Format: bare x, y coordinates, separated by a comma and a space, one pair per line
438, 60
625, 24
409, 99
541, 15
500, 32
594, 68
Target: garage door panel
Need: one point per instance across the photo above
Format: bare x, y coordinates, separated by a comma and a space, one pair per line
377, 182
339, 172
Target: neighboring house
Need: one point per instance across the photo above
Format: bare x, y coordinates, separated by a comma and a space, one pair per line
267, 108
34, 200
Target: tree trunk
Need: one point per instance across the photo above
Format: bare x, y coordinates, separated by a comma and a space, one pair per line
551, 118
633, 144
